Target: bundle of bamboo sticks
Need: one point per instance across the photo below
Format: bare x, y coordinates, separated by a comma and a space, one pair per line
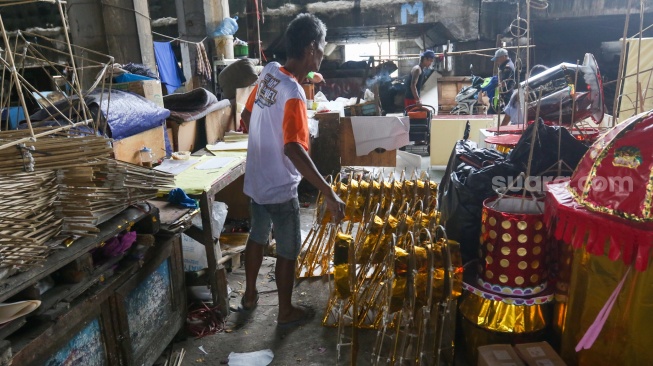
91, 194
27, 218
56, 151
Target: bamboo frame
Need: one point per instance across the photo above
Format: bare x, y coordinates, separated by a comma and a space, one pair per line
27, 218
13, 61
93, 193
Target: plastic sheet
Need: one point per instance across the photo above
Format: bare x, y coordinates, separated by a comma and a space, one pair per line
129, 114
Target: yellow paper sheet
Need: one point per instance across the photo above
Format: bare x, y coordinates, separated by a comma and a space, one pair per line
195, 181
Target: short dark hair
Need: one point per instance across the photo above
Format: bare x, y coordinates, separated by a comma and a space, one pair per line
303, 30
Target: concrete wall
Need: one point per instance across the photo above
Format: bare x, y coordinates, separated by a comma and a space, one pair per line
458, 17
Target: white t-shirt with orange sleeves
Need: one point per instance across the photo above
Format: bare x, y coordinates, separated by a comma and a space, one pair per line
278, 107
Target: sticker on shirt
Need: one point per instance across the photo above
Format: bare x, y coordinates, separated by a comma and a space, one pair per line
267, 94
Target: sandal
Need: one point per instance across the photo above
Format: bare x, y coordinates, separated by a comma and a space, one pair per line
309, 314
245, 308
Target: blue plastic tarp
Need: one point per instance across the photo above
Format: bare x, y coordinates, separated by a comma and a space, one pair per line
128, 78
130, 114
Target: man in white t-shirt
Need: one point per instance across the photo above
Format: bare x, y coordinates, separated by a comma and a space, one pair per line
277, 158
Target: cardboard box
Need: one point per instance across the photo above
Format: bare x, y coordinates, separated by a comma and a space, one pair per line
242, 94
539, 354
148, 89
184, 135
498, 355
348, 154
217, 123
128, 149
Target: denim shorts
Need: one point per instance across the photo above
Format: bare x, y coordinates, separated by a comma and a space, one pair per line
285, 219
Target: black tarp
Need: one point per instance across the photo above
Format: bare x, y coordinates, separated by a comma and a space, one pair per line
466, 183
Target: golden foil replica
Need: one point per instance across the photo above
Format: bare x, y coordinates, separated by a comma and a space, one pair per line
388, 273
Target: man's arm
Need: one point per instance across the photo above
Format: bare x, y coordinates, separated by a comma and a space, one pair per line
246, 114
299, 157
416, 72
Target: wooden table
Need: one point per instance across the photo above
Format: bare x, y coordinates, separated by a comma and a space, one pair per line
216, 272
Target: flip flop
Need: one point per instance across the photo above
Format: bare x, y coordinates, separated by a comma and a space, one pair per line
245, 308
309, 314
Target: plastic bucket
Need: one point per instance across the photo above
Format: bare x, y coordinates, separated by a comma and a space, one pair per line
241, 50
224, 47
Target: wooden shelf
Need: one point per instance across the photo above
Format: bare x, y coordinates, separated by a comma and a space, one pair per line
69, 292
15, 284
44, 335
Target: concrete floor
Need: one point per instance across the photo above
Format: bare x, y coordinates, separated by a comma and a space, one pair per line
311, 344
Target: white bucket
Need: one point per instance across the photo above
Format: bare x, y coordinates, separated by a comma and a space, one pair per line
224, 47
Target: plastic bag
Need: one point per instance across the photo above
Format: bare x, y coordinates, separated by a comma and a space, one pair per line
313, 127
368, 96
227, 27
320, 97
194, 251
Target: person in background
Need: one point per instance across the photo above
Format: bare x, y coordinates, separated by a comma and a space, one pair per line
277, 158
505, 81
514, 114
415, 80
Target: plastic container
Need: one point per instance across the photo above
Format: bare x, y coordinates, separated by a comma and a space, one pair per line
147, 157
241, 50
309, 90
224, 47
228, 27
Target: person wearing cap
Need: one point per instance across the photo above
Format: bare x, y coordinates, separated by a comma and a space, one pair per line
506, 80
415, 80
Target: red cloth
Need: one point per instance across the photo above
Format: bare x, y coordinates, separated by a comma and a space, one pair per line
617, 238
508, 140
615, 173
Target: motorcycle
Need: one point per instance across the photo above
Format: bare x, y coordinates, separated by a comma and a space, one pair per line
467, 98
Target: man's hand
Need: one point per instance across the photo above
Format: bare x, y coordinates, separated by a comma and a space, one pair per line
300, 159
335, 206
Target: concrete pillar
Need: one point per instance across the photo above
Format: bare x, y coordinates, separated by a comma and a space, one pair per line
120, 28
196, 20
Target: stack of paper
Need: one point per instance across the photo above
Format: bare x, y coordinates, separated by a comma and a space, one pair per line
228, 146
233, 136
